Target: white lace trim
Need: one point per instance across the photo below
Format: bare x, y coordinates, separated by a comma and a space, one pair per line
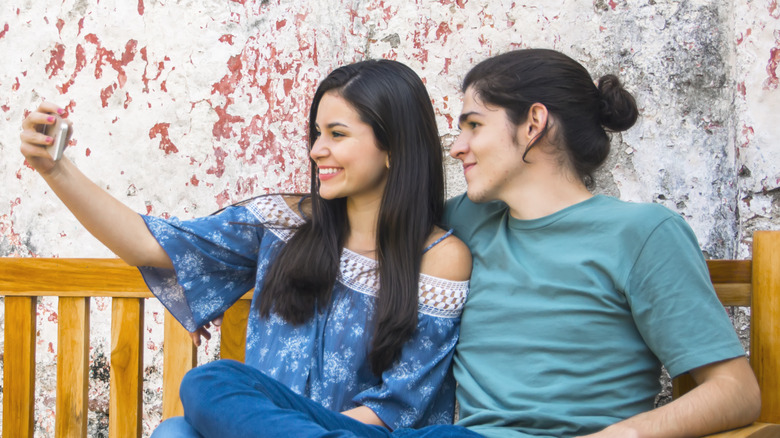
276, 215
437, 296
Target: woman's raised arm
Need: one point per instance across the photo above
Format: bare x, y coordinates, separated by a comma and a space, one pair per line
118, 227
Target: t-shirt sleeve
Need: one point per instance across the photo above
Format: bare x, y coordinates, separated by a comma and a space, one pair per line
422, 374
214, 259
674, 304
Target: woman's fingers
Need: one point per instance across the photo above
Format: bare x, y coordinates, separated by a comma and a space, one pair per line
201, 331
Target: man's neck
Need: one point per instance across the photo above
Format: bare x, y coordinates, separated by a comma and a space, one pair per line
544, 191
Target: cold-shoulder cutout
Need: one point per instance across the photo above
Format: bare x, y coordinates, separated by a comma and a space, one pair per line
300, 203
449, 259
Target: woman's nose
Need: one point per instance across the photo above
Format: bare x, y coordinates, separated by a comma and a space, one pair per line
318, 149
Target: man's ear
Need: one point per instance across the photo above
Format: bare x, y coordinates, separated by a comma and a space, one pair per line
536, 121
533, 129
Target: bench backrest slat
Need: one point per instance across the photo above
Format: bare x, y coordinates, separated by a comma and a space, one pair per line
72, 366
127, 324
765, 322
19, 367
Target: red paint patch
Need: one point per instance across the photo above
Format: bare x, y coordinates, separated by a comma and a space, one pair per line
56, 62
194, 181
140, 7
105, 56
280, 24
60, 25
5, 108
69, 108
88, 152
4, 31
449, 120
81, 62
443, 31
219, 167
741, 89
774, 11
166, 144
223, 198
771, 69
612, 4
226, 39
106, 93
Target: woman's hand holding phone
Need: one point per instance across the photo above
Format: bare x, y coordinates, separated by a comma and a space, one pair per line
45, 134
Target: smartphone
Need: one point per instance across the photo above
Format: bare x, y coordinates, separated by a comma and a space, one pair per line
60, 132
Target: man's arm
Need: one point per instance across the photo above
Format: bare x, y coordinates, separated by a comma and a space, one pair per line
726, 396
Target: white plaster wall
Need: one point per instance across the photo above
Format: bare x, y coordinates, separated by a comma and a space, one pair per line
182, 107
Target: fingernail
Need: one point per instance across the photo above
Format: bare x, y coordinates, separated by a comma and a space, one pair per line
49, 139
50, 119
60, 111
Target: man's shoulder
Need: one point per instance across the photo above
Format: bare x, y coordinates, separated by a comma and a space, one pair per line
461, 212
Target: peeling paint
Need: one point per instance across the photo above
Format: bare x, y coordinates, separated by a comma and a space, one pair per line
213, 97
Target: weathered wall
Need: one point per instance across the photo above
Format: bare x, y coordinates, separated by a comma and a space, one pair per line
183, 107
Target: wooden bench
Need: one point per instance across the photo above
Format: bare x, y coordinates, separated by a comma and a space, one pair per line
754, 283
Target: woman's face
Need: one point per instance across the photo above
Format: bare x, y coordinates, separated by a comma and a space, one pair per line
349, 161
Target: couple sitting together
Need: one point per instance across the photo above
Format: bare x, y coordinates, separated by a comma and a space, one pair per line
551, 307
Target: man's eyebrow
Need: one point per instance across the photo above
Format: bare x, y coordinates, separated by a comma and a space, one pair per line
465, 116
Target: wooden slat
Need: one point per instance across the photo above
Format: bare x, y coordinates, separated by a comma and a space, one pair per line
734, 294
765, 322
755, 430
72, 367
233, 331
85, 277
179, 356
127, 322
19, 367
730, 271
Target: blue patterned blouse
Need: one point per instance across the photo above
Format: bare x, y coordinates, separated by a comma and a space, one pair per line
219, 258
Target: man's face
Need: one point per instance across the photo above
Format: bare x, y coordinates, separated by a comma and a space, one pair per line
487, 147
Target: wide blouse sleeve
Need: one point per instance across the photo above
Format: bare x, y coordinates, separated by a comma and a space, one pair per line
214, 259
674, 304
419, 388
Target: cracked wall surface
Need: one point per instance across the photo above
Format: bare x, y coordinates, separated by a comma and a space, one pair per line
183, 107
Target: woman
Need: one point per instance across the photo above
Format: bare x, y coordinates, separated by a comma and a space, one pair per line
358, 293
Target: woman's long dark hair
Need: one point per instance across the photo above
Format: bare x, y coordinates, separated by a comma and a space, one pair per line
392, 99
516, 80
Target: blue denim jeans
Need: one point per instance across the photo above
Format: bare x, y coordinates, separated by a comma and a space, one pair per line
229, 399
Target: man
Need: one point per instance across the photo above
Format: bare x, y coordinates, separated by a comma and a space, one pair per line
576, 300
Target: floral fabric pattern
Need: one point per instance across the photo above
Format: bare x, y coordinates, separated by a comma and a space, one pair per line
219, 258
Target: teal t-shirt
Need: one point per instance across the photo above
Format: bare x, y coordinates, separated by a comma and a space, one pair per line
570, 316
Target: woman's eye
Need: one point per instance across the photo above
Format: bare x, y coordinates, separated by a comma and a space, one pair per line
473, 125
336, 134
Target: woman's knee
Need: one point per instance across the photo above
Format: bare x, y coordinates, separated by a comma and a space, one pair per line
175, 427
204, 383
